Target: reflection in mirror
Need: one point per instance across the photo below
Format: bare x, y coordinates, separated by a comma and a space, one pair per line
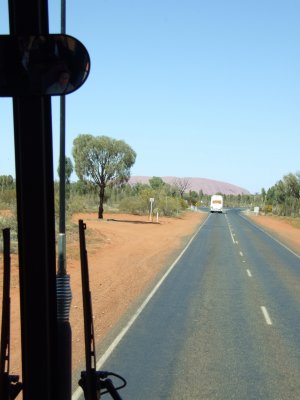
42, 65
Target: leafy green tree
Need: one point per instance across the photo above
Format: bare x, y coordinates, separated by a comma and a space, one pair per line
68, 169
137, 188
156, 183
263, 194
270, 196
292, 185
192, 198
280, 192
6, 182
103, 161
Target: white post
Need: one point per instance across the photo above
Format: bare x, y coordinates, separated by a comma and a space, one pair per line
151, 207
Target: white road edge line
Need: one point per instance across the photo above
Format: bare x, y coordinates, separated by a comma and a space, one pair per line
249, 273
78, 392
266, 315
270, 235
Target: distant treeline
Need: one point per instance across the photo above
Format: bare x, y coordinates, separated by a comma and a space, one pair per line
169, 199
284, 197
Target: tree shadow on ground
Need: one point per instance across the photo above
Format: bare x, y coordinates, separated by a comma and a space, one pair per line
132, 222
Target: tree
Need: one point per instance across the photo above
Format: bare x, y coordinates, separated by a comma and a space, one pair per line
182, 185
103, 161
68, 169
156, 182
192, 197
263, 194
6, 182
292, 185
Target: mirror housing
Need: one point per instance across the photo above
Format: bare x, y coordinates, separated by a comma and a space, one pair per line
42, 65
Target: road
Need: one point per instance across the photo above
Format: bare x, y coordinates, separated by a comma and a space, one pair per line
224, 323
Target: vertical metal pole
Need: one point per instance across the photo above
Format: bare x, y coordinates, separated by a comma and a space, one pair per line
62, 157
62, 169
64, 295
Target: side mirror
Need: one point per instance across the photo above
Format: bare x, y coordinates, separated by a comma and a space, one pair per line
41, 65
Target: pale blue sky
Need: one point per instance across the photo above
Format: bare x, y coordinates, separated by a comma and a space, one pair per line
197, 88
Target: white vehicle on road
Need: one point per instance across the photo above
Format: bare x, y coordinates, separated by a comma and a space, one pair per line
216, 203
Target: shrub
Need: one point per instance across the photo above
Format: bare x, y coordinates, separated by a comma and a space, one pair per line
8, 199
268, 209
170, 206
134, 205
167, 206
78, 203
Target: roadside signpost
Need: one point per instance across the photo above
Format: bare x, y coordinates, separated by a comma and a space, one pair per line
151, 208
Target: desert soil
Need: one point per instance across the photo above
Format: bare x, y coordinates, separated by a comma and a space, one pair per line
126, 256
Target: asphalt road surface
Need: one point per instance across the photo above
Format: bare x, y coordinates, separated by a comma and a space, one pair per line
224, 323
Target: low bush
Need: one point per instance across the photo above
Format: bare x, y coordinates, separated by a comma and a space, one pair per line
77, 203
134, 205
8, 199
267, 209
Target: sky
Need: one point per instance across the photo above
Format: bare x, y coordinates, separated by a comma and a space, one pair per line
207, 89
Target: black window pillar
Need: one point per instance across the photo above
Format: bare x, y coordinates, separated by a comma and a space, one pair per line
36, 222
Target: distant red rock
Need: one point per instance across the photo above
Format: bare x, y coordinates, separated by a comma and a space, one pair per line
208, 186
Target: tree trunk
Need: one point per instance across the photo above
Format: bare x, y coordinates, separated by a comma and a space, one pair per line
101, 201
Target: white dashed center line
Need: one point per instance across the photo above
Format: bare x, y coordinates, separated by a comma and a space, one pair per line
249, 273
266, 315
230, 230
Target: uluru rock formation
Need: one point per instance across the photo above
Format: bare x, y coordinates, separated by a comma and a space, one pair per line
208, 186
